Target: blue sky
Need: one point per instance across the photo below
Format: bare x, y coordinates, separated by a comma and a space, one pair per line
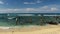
29, 6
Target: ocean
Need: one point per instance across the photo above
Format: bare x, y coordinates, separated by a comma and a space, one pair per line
9, 19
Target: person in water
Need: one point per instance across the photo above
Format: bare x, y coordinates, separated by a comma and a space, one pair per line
16, 20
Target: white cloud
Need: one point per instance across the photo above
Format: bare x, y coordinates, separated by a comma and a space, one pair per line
54, 9
6, 3
1, 2
28, 10
49, 8
44, 7
29, 3
38, 1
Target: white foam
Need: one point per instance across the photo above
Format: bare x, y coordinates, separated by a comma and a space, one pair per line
4, 27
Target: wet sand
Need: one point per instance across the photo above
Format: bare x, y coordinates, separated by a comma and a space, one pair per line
48, 29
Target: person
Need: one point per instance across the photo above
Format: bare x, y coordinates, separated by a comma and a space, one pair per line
17, 20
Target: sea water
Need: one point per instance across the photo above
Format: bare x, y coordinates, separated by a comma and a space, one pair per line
24, 20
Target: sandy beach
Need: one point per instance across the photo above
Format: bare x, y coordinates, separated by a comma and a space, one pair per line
48, 29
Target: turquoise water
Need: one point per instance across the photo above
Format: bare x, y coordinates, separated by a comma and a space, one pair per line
26, 20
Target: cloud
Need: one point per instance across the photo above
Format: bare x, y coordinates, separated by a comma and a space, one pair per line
49, 8
6, 3
43, 9
38, 1
30, 9
54, 9
29, 3
1, 2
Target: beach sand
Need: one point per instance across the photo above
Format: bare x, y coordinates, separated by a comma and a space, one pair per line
48, 29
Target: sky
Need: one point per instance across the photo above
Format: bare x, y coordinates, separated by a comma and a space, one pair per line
29, 6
